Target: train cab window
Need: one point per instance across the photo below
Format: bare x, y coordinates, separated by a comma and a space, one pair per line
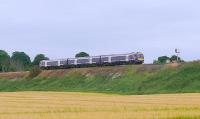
140, 55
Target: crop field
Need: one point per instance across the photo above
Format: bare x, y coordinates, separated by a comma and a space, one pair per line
53, 105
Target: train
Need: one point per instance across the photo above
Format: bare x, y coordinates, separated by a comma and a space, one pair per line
102, 60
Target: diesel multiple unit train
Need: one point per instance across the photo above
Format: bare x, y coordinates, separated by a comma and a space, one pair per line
103, 60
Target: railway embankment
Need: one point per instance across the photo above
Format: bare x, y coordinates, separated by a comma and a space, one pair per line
132, 79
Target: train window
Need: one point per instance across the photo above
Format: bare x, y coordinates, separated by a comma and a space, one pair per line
118, 58
96, 60
104, 59
71, 61
52, 63
83, 61
140, 55
131, 57
64, 62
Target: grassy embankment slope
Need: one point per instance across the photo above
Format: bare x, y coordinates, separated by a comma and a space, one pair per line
143, 79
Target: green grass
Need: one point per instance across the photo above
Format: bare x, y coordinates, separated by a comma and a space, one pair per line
184, 79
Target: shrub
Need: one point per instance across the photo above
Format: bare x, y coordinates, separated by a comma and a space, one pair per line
35, 71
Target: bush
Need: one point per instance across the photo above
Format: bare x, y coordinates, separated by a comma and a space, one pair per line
82, 54
35, 71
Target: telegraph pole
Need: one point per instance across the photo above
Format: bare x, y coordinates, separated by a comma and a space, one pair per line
177, 51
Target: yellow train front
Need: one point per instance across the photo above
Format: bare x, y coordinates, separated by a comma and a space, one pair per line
140, 58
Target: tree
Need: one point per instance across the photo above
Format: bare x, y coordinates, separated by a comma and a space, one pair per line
82, 54
155, 62
162, 60
4, 60
174, 58
39, 58
20, 60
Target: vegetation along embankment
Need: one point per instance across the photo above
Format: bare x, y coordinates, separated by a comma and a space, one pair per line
133, 79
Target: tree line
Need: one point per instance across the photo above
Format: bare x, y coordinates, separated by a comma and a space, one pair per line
20, 61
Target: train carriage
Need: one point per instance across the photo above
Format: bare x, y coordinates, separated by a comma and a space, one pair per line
134, 58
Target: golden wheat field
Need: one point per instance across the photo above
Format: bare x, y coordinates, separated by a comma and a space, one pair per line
53, 105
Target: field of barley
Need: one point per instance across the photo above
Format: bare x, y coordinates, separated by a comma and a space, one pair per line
58, 105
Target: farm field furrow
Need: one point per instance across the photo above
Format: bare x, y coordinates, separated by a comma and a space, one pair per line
61, 105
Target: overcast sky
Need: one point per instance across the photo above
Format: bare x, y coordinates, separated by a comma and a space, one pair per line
61, 28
